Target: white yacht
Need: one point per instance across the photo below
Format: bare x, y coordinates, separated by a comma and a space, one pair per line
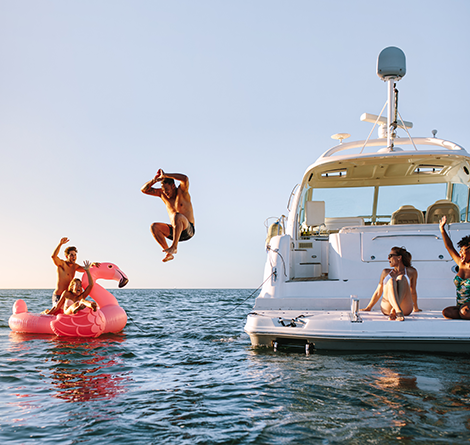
355, 203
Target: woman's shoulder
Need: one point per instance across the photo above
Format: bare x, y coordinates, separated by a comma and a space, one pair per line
385, 272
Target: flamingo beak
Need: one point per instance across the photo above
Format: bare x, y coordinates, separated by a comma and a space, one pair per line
124, 280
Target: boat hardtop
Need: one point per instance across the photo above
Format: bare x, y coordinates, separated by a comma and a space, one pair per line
355, 203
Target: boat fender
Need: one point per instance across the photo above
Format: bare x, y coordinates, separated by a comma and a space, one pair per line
275, 229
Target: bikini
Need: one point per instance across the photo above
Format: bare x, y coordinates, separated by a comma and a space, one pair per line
462, 286
388, 277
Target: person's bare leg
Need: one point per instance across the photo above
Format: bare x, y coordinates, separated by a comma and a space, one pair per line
452, 312
391, 296
160, 232
180, 223
401, 290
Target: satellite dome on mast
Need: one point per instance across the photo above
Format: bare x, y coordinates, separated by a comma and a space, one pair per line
391, 64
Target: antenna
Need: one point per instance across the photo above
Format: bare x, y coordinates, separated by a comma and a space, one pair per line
340, 136
391, 67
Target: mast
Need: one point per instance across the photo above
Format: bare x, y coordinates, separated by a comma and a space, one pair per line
391, 67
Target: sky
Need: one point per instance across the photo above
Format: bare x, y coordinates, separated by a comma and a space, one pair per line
239, 95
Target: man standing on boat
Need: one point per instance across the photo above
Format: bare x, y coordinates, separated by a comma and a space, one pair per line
65, 269
179, 208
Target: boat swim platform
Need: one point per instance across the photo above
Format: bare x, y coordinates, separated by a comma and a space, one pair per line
426, 331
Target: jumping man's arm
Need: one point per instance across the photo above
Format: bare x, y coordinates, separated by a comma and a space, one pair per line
148, 189
183, 179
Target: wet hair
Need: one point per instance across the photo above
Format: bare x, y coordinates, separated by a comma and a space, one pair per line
73, 282
70, 249
169, 181
405, 255
464, 242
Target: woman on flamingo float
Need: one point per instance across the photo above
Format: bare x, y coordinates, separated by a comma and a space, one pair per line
398, 286
74, 298
462, 279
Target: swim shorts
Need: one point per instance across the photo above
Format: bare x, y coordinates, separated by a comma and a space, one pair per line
55, 298
185, 234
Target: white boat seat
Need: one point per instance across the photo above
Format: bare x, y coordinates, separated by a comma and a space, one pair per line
407, 214
338, 223
314, 213
441, 208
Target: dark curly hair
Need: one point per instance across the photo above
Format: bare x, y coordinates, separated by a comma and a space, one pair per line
70, 249
405, 255
465, 241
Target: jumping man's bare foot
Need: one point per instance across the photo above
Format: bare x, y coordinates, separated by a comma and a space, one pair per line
168, 257
171, 250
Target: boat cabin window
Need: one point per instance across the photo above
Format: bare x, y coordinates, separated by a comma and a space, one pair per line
377, 204
420, 196
460, 197
346, 201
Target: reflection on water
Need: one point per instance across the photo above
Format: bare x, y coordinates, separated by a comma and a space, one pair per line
78, 369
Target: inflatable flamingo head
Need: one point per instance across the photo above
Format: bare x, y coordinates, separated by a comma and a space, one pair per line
109, 271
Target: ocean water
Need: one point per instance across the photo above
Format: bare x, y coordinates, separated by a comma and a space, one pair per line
183, 372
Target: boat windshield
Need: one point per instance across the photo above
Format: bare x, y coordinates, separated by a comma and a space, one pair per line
376, 205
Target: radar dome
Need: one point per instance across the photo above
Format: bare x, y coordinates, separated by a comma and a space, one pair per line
391, 64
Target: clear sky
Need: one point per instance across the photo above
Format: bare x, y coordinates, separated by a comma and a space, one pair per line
240, 95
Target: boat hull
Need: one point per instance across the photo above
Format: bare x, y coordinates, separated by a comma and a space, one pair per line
338, 330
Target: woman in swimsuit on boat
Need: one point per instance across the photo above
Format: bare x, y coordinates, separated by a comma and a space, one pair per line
73, 299
462, 279
398, 286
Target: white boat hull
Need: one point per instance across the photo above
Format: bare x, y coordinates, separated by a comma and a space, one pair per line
334, 330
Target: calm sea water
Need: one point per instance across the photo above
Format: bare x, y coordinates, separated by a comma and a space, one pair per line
183, 372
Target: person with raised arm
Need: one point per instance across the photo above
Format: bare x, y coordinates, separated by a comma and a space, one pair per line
65, 268
179, 207
73, 299
462, 279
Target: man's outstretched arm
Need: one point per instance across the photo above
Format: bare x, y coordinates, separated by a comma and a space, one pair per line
54, 256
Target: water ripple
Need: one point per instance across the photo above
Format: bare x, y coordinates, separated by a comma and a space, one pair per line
182, 373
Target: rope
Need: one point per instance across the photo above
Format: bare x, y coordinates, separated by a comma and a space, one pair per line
131, 319
268, 247
249, 296
370, 134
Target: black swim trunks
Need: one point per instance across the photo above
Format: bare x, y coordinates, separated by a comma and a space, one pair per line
185, 234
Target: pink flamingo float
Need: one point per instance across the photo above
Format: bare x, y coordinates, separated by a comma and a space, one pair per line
110, 317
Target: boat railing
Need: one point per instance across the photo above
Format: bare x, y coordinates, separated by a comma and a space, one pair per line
382, 142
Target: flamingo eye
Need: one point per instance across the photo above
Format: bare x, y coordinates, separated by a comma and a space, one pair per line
110, 266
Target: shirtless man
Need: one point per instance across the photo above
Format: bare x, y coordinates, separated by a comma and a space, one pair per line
65, 269
179, 208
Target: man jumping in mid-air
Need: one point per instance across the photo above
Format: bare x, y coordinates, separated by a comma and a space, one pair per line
179, 208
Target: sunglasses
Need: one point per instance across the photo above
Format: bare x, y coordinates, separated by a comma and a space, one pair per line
392, 254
